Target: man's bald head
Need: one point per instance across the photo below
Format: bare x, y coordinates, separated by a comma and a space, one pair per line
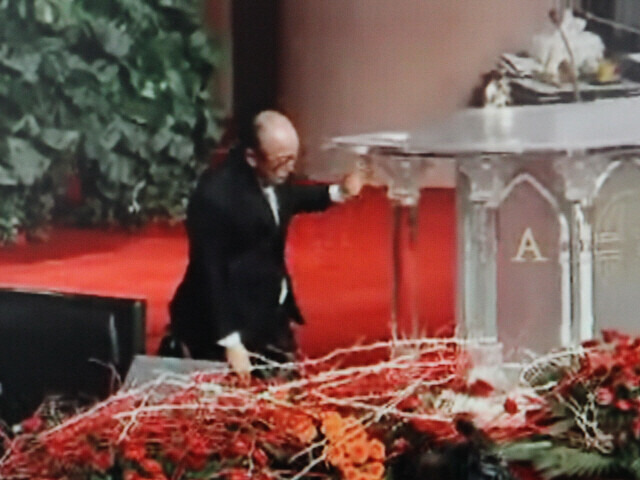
274, 129
277, 146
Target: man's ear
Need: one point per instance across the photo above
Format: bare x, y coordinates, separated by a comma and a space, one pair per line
252, 157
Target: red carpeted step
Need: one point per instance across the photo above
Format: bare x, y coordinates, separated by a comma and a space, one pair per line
340, 261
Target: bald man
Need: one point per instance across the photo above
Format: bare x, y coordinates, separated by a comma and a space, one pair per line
236, 295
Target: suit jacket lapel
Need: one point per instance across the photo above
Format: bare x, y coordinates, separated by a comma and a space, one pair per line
255, 197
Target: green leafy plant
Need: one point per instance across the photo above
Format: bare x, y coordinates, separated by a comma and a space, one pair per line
106, 111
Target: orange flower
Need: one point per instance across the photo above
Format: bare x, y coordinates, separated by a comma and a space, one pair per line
307, 434
351, 473
332, 425
364, 476
358, 451
349, 448
374, 469
376, 450
337, 455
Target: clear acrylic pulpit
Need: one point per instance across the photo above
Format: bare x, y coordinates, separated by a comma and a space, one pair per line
548, 207
404, 173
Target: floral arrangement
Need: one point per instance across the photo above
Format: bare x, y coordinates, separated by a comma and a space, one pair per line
417, 411
589, 423
332, 420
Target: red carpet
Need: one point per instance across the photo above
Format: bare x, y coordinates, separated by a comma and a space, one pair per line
340, 261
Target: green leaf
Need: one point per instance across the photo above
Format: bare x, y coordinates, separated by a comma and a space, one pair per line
93, 149
201, 45
111, 135
27, 163
175, 82
27, 125
44, 11
6, 177
118, 169
136, 139
63, 140
76, 62
26, 63
213, 130
55, 14
104, 71
161, 139
22, 8
53, 68
135, 109
181, 148
114, 39
559, 461
191, 10
635, 467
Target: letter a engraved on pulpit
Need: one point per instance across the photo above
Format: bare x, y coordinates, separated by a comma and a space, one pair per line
532, 268
528, 250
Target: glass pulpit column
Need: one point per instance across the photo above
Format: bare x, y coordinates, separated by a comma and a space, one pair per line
404, 173
548, 208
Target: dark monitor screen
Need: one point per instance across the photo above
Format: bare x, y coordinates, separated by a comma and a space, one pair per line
64, 344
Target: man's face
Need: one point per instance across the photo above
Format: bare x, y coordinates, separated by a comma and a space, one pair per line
277, 155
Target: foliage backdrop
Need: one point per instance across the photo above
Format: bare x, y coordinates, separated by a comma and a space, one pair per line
106, 113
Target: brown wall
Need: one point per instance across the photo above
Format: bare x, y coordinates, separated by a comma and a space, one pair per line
350, 66
219, 20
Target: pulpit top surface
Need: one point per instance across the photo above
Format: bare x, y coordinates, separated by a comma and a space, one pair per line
563, 128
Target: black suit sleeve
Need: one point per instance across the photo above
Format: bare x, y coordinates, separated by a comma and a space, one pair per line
207, 228
310, 198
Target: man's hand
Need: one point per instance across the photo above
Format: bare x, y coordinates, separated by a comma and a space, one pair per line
354, 181
238, 358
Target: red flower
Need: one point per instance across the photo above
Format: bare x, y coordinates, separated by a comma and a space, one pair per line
439, 428
409, 403
103, 460
151, 466
400, 445
85, 454
624, 405
613, 336
135, 452
238, 474
604, 396
175, 454
635, 427
260, 457
32, 424
262, 476
198, 447
481, 388
510, 406
133, 475
239, 447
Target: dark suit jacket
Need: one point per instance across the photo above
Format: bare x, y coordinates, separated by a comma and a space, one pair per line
236, 258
